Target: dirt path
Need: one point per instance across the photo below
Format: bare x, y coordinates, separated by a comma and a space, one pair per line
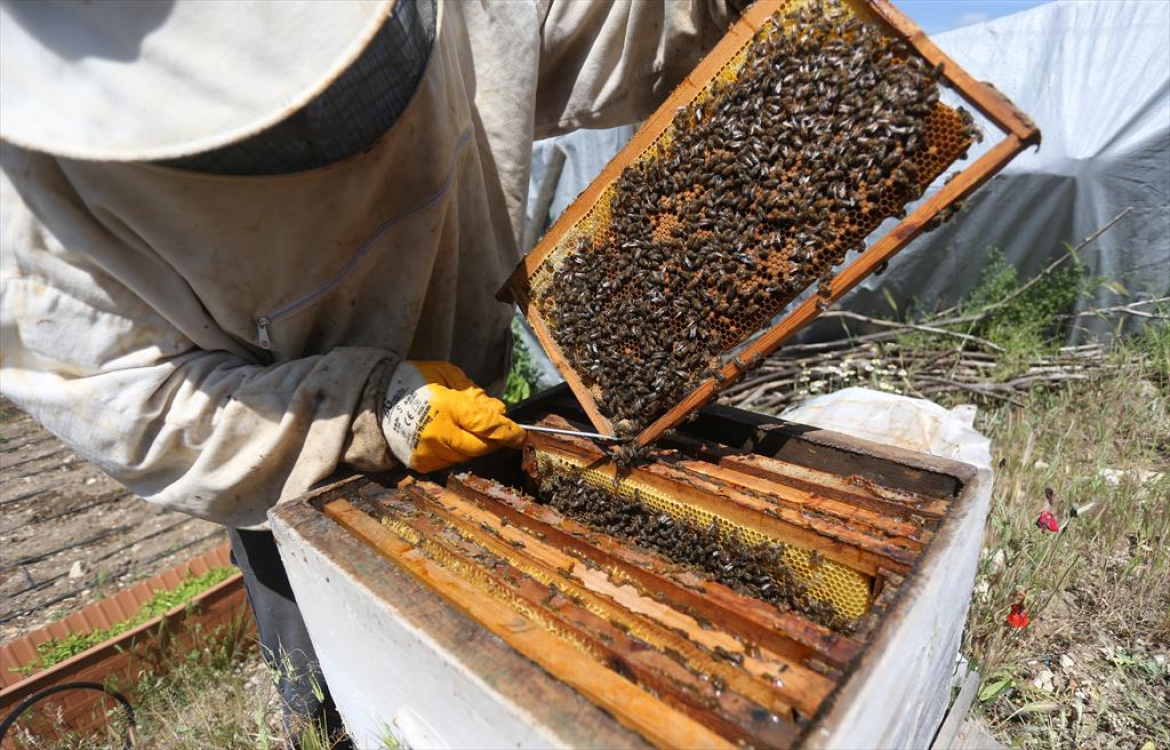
69, 534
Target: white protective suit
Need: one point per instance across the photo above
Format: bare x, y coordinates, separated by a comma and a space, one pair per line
218, 344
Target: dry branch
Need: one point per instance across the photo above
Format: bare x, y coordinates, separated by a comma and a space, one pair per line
971, 364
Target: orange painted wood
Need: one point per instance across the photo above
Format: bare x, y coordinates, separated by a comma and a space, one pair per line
1021, 133
785, 633
103, 613
633, 707
123, 658
844, 281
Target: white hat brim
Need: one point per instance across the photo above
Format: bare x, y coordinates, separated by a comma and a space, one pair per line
124, 80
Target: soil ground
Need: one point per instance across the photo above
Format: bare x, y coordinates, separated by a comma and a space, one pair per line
70, 535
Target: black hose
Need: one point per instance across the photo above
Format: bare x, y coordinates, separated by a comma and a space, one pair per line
35, 698
122, 574
25, 496
42, 555
69, 512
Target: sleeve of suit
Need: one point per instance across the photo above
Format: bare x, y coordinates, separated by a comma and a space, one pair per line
605, 64
207, 432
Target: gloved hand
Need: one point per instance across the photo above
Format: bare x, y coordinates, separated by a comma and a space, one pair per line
433, 417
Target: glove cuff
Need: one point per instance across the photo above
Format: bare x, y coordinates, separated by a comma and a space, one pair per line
405, 411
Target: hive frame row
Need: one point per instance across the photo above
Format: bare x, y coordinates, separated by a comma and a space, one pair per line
536, 549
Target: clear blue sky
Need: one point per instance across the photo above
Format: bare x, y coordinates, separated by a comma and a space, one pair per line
943, 15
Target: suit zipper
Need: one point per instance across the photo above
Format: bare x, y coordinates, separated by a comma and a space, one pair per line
264, 323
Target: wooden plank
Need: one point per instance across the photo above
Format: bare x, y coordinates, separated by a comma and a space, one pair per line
827, 451
858, 491
582, 391
957, 713
564, 610
832, 541
816, 482
973, 735
861, 507
900, 532
629, 704
897, 557
768, 679
784, 633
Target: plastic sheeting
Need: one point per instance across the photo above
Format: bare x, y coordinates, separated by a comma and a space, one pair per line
562, 167
911, 423
1095, 76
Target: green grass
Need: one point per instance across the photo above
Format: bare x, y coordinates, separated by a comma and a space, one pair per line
1099, 591
213, 695
522, 377
57, 650
1023, 323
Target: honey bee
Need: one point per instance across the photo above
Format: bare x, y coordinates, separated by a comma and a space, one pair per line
766, 182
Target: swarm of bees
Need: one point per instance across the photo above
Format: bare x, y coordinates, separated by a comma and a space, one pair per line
755, 570
766, 181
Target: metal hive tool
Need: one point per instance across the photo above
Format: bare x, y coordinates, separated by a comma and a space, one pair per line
774, 261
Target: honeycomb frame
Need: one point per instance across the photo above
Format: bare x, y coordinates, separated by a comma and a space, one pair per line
847, 591
757, 337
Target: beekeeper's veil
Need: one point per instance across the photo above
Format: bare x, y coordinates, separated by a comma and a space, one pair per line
123, 80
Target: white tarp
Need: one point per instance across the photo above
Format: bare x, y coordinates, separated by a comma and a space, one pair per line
911, 423
1095, 76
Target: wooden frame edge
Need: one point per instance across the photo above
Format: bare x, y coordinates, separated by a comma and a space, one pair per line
845, 280
1020, 133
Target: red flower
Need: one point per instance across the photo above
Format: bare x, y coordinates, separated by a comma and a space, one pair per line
1018, 617
1047, 521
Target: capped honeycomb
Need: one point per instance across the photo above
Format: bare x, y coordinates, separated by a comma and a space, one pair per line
821, 127
737, 555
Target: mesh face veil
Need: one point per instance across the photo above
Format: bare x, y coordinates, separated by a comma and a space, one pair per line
352, 113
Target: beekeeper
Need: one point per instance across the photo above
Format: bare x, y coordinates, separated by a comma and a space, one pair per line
248, 245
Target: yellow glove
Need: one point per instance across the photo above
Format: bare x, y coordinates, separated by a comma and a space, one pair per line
433, 417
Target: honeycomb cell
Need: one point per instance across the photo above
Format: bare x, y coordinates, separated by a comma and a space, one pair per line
752, 193
844, 590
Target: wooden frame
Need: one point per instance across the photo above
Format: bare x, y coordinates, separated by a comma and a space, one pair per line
529, 542
1020, 133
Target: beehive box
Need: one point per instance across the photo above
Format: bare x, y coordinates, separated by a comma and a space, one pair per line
804, 129
751, 583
